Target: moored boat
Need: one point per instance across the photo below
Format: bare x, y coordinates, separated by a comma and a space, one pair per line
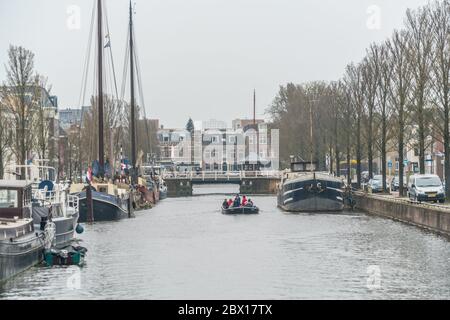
303, 189
107, 205
21, 247
51, 202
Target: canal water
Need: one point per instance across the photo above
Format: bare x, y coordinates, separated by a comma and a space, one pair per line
186, 249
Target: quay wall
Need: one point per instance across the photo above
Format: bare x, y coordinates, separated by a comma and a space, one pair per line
436, 219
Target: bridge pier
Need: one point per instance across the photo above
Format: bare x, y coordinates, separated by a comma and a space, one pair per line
179, 188
259, 185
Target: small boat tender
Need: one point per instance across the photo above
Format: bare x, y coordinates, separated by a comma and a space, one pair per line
241, 210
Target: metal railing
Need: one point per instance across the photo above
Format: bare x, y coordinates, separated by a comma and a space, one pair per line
221, 175
56, 197
73, 202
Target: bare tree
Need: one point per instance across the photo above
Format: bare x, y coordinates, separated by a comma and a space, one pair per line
41, 123
399, 90
440, 28
346, 107
380, 55
355, 83
18, 97
420, 47
370, 74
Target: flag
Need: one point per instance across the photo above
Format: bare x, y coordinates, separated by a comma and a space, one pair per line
89, 175
108, 44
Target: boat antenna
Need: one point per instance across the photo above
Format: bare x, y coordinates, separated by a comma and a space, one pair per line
101, 155
132, 102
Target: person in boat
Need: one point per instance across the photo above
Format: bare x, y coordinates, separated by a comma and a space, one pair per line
250, 203
229, 203
244, 201
237, 201
225, 204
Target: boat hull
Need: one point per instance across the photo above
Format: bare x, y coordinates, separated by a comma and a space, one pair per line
65, 225
311, 194
19, 255
241, 210
162, 195
105, 207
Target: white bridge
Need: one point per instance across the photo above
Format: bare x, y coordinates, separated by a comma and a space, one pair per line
251, 182
220, 176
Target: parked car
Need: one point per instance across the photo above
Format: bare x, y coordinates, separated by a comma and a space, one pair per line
395, 183
375, 184
426, 187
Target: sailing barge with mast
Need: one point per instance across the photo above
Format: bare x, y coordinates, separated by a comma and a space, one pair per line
114, 200
305, 189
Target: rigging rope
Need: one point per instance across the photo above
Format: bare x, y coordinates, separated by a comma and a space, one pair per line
87, 61
141, 96
125, 66
110, 51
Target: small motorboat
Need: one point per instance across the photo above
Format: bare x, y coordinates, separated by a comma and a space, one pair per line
71, 255
241, 210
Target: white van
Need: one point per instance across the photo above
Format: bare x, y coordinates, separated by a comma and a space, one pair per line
426, 187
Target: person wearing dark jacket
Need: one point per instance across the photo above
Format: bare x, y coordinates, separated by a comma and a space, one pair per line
225, 204
237, 201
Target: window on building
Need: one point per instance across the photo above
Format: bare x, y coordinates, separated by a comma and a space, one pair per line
262, 139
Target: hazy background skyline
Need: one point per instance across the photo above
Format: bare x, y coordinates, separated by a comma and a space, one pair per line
200, 58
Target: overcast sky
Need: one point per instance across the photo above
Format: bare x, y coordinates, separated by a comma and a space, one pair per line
202, 58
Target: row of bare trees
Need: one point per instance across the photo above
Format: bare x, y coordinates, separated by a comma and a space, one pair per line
83, 138
395, 99
29, 126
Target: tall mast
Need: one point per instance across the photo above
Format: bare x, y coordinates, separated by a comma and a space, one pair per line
101, 152
254, 107
256, 127
132, 102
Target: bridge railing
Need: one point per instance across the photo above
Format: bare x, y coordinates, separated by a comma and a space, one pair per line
221, 175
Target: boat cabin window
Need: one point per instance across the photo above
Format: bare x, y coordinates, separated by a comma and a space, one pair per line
303, 166
15, 198
9, 199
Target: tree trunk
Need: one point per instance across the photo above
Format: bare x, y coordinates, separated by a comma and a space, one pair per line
338, 160
421, 138
400, 154
331, 160
369, 144
349, 166
2, 169
358, 154
383, 152
446, 150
